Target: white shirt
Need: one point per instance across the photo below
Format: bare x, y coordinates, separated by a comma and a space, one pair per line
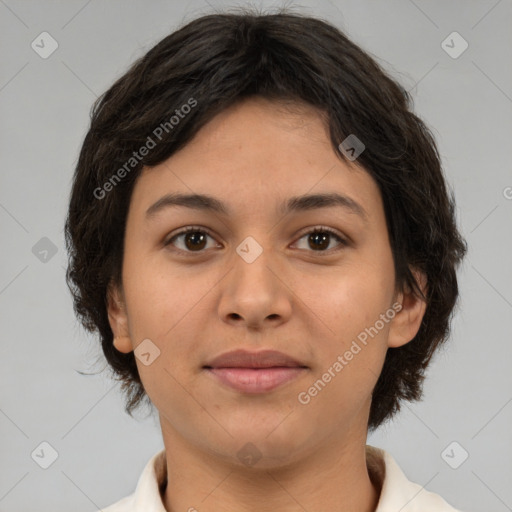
397, 492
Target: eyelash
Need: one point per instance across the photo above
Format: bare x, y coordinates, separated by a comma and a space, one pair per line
317, 229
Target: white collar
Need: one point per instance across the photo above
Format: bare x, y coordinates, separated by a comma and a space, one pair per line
397, 492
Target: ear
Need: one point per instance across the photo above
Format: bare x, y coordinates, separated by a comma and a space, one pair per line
118, 319
406, 323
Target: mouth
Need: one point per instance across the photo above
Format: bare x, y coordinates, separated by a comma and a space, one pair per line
254, 372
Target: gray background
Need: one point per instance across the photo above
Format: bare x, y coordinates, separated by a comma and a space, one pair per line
44, 108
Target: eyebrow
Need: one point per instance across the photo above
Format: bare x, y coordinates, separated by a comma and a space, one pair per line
208, 203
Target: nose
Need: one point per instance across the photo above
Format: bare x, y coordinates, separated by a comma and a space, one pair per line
255, 292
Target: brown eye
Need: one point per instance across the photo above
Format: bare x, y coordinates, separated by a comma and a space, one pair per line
320, 238
192, 240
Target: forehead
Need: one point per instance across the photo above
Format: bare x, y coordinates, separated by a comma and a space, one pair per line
257, 154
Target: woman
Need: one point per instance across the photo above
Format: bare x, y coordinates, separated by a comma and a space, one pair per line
260, 231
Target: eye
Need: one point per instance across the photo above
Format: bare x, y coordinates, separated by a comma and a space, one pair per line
320, 237
194, 239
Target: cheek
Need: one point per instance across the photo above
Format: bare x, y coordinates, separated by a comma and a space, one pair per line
160, 295
168, 308
351, 299
350, 308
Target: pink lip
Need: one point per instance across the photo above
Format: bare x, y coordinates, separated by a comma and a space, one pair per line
254, 372
246, 359
256, 380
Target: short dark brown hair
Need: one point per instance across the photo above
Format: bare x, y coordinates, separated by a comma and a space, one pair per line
210, 64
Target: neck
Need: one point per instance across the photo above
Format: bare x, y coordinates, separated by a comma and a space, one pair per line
334, 478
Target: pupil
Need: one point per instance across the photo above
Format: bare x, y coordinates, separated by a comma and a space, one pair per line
316, 237
195, 243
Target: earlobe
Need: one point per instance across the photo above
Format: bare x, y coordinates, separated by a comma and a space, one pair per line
406, 323
123, 344
118, 319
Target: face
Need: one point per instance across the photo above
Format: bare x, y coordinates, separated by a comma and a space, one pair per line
258, 277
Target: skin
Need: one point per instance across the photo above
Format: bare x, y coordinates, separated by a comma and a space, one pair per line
305, 301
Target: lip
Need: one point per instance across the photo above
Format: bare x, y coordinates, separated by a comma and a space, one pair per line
246, 359
254, 372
